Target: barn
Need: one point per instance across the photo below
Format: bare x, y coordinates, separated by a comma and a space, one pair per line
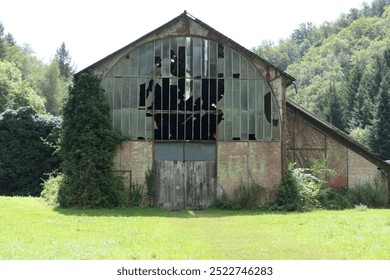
206, 115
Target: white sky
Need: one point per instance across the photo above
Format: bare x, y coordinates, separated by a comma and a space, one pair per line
93, 29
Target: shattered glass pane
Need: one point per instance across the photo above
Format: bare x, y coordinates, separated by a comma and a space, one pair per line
189, 88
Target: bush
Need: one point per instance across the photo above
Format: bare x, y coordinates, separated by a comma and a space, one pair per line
88, 148
27, 151
333, 199
369, 195
288, 196
309, 187
224, 202
247, 196
50, 189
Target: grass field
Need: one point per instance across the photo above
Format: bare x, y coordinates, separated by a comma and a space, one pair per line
29, 229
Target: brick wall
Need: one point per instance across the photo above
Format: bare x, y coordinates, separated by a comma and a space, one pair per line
136, 156
361, 171
249, 162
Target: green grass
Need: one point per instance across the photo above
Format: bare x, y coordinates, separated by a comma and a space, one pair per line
29, 229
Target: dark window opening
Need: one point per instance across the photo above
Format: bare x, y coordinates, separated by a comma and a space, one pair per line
221, 53
267, 106
185, 88
180, 119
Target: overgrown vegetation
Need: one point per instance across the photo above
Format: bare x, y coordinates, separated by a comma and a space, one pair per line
305, 189
150, 185
288, 196
88, 148
50, 189
308, 188
369, 195
136, 195
247, 196
27, 151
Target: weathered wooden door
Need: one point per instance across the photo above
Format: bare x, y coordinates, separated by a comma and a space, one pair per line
185, 175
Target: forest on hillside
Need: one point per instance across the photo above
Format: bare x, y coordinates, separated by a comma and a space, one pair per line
342, 71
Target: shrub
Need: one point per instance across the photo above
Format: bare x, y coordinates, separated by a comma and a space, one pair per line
27, 151
333, 199
224, 202
50, 189
308, 188
288, 196
247, 196
88, 148
369, 195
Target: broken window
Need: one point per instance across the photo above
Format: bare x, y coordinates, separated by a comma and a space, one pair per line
189, 88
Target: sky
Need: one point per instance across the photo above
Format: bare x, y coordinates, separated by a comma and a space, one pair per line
93, 29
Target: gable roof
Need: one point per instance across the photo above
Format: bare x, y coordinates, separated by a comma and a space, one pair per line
339, 136
187, 25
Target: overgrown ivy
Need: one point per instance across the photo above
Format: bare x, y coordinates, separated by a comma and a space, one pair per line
88, 148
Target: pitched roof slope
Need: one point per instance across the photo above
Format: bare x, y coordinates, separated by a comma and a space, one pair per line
339, 135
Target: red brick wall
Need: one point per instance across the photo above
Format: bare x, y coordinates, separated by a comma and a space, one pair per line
337, 160
248, 162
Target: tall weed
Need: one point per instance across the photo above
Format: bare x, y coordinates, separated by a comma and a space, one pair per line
369, 195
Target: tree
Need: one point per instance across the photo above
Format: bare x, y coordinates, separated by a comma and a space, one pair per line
380, 142
334, 112
354, 97
16, 92
64, 61
54, 89
88, 148
2, 41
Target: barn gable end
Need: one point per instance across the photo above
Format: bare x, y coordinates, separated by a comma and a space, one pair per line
208, 115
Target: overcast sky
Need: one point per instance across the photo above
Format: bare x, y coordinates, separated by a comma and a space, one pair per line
93, 29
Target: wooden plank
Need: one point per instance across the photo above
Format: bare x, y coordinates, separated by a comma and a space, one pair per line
186, 185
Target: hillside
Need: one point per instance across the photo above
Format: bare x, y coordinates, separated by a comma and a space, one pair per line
341, 71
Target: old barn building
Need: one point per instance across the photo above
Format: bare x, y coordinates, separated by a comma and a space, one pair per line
208, 114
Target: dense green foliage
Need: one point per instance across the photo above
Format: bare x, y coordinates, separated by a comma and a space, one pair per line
30, 91
27, 151
25, 81
341, 71
288, 192
305, 189
88, 148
